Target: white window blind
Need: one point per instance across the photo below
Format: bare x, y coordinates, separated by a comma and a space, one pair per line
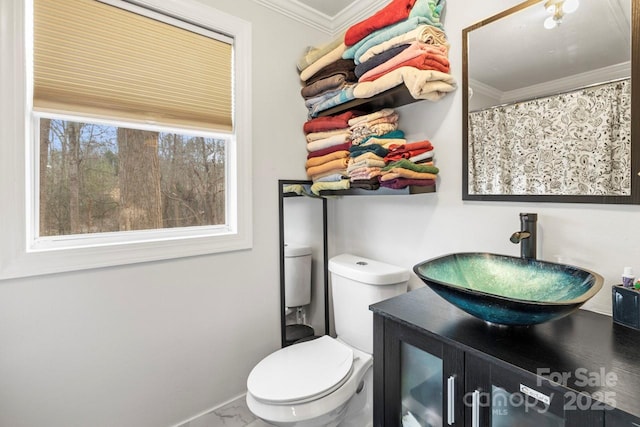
97, 60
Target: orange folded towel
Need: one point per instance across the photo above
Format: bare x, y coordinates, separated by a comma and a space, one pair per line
317, 161
325, 167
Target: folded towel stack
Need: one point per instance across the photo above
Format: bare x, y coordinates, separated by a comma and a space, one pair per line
402, 173
403, 43
328, 141
328, 78
357, 150
412, 50
381, 156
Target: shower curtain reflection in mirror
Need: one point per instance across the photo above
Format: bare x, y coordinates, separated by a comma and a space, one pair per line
574, 143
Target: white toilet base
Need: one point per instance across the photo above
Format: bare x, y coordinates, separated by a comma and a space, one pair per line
328, 420
335, 409
360, 407
356, 412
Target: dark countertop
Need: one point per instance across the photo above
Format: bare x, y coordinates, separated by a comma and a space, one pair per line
587, 345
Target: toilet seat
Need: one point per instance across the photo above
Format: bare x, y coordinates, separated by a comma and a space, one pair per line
322, 411
302, 372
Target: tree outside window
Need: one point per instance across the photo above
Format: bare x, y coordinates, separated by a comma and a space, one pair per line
98, 178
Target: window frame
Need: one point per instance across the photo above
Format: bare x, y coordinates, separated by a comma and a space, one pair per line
22, 252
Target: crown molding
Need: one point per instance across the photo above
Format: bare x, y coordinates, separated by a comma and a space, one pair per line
481, 88
331, 25
355, 12
600, 75
552, 87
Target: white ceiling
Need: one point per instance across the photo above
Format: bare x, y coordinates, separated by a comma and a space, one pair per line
517, 51
330, 16
326, 7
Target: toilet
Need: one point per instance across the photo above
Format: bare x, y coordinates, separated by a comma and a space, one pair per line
297, 275
297, 291
328, 382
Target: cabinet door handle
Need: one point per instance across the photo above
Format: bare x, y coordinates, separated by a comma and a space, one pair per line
451, 394
475, 409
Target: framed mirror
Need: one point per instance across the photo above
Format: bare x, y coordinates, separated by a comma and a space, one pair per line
551, 97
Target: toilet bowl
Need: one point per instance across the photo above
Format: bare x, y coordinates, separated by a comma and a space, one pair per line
328, 382
308, 384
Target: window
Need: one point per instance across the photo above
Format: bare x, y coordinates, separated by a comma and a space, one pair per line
136, 135
97, 178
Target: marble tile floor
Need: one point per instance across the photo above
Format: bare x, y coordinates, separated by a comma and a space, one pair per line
233, 414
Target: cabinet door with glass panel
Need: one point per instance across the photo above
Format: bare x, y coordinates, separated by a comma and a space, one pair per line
423, 379
501, 396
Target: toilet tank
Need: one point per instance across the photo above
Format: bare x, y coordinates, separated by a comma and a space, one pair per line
356, 283
297, 275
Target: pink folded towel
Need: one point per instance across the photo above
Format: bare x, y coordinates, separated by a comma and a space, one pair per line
424, 61
415, 49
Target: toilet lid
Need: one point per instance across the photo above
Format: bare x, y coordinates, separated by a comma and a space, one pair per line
301, 372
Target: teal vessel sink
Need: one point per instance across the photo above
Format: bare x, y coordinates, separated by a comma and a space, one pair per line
508, 290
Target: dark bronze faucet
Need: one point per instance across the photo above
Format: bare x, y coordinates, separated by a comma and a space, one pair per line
527, 235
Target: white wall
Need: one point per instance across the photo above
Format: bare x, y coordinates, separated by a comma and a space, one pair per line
154, 344
157, 343
408, 229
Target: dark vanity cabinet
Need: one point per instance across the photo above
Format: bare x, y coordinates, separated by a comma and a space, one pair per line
437, 366
617, 418
500, 395
423, 379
